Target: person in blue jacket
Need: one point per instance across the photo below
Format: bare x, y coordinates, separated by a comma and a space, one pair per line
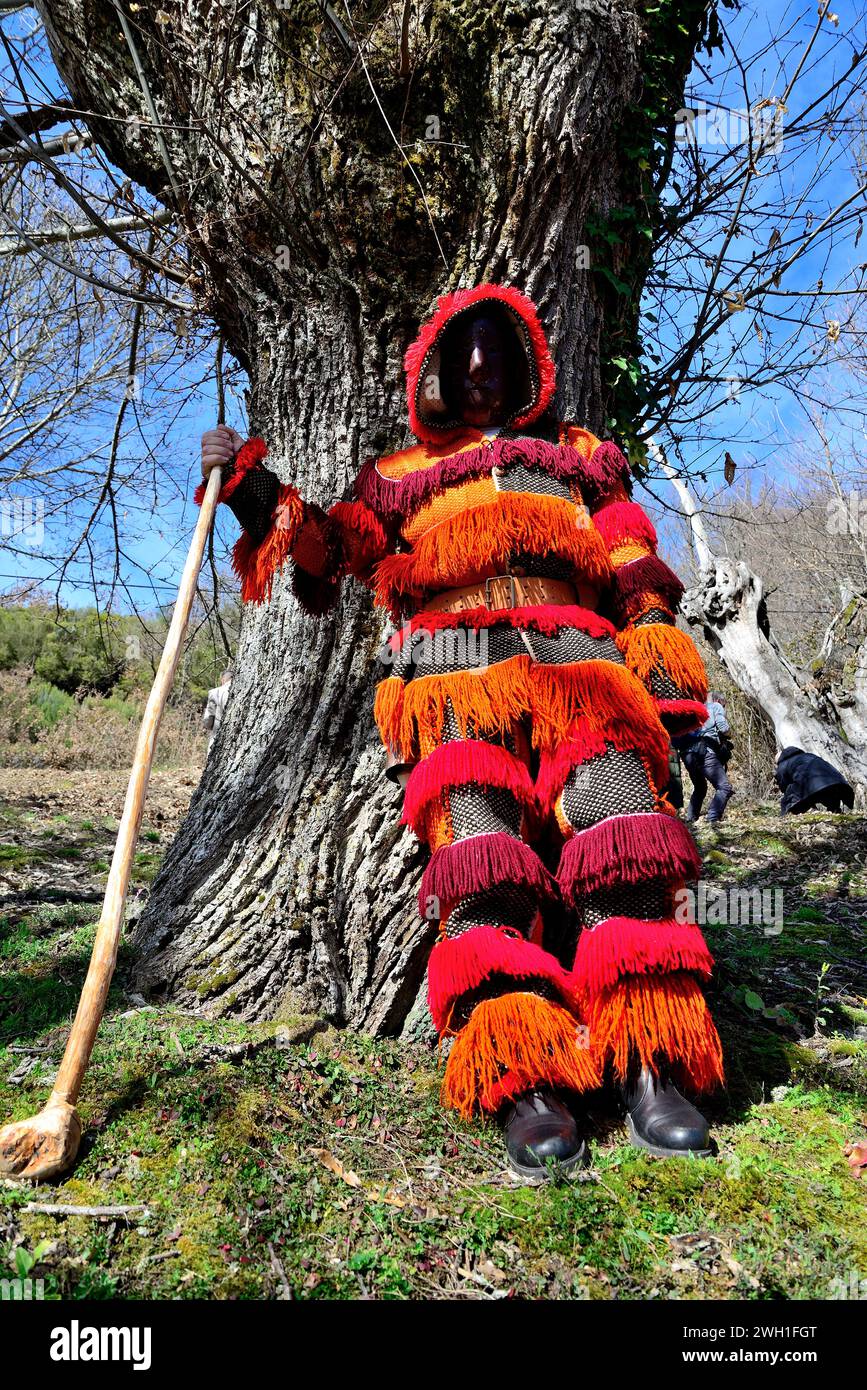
705, 754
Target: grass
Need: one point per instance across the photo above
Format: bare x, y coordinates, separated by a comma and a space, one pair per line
268, 1161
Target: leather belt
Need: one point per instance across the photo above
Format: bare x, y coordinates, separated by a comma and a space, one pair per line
510, 591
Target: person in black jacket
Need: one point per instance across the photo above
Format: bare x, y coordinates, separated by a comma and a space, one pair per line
807, 781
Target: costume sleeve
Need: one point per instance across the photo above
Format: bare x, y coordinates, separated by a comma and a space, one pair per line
645, 592
279, 526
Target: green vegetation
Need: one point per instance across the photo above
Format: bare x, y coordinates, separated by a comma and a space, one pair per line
73, 686
79, 652
289, 1157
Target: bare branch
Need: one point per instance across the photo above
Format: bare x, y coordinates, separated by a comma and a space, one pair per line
86, 232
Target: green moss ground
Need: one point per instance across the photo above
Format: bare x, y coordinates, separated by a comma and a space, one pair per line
280, 1160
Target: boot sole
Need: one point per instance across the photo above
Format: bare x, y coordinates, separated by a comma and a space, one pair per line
536, 1175
637, 1142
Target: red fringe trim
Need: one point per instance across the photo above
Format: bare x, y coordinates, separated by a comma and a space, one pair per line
249, 456
547, 619
463, 762
398, 498
459, 966
256, 565
630, 946
606, 467
682, 716
510, 1045
659, 647
627, 849
450, 304
619, 522
363, 538
484, 861
656, 1019
648, 573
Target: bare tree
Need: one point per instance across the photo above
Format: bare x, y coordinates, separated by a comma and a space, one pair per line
728, 603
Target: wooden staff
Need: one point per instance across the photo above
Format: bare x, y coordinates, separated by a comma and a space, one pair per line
47, 1143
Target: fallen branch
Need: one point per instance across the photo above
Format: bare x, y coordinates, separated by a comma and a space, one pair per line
69, 1209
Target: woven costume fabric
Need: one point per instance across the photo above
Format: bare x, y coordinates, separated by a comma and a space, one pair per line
254, 506
536, 721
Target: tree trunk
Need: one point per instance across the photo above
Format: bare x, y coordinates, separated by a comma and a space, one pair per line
291, 886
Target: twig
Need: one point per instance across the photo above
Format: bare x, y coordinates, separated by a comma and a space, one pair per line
16, 246
154, 1259
69, 1209
277, 1266
151, 105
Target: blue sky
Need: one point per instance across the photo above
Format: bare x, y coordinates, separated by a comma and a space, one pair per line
757, 426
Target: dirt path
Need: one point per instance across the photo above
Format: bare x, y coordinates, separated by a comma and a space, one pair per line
57, 832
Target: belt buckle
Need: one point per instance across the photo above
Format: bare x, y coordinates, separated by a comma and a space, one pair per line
513, 592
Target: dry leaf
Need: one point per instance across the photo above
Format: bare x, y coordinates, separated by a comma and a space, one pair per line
393, 1199
739, 1272
833, 330
730, 468
336, 1167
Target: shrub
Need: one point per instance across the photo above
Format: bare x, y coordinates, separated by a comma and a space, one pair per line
51, 703
41, 726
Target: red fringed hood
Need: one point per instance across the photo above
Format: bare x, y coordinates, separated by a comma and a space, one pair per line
428, 415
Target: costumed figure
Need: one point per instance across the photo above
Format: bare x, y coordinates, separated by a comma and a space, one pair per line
529, 694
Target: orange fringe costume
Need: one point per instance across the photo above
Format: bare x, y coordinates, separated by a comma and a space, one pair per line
520, 722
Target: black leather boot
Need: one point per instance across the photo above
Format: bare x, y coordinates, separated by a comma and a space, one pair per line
541, 1136
662, 1121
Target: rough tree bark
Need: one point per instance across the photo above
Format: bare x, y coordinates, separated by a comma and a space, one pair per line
290, 888
728, 603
